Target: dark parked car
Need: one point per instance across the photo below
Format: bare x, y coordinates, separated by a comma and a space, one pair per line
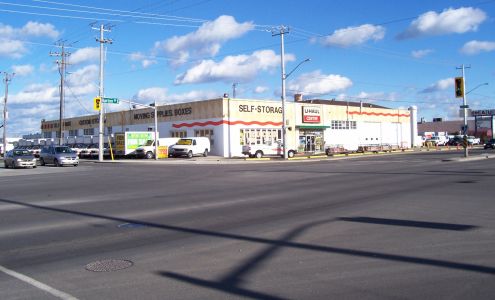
19, 158
490, 144
458, 141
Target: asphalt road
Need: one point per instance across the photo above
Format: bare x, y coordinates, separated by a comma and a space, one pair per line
406, 226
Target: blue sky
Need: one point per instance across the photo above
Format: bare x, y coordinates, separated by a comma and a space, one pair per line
392, 53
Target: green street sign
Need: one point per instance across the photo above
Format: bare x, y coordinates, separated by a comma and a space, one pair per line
111, 100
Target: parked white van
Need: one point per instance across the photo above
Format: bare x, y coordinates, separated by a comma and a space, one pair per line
148, 150
190, 146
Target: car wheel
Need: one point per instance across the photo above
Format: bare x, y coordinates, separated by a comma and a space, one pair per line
13, 165
251, 156
290, 154
6, 165
149, 155
258, 154
34, 167
42, 162
205, 154
189, 154
76, 165
57, 164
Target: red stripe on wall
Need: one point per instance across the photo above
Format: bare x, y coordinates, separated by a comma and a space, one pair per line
378, 114
216, 123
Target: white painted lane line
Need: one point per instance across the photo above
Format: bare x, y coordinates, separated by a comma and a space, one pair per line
37, 284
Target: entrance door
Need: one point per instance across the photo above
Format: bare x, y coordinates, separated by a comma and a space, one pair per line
309, 143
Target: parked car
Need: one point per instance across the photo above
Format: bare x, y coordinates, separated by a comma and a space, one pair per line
190, 147
19, 159
86, 152
270, 148
473, 140
59, 156
95, 152
77, 148
490, 144
437, 140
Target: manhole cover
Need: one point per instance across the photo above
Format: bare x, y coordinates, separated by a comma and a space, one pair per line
109, 265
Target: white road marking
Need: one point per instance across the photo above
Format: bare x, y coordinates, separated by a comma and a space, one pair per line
37, 284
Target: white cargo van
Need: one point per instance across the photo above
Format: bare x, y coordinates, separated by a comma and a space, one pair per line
190, 147
148, 150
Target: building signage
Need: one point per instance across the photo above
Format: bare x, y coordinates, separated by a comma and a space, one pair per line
164, 113
311, 114
483, 112
261, 109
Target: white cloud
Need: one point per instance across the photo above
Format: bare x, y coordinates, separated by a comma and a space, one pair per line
421, 53
36, 93
10, 37
12, 48
161, 95
85, 75
352, 36
23, 70
260, 89
475, 47
31, 28
84, 55
145, 62
152, 94
316, 83
232, 68
39, 29
440, 85
207, 40
83, 81
451, 20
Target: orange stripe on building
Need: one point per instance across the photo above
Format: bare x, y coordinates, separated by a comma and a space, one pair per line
226, 122
378, 114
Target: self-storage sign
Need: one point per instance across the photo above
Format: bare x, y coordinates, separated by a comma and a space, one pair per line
311, 114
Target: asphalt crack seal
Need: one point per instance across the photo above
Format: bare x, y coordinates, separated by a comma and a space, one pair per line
109, 265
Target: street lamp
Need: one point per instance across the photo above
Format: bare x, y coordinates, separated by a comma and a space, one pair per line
284, 77
479, 85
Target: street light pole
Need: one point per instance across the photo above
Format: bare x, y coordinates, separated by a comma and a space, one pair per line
464, 108
101, 92
156, 131
281, 31
6, 80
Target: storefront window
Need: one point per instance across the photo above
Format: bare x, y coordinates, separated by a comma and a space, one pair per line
343, 125
178, 134
89, 131
205, 133
260, 136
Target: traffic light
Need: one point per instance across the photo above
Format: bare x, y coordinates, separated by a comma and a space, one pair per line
97, 103
459, 87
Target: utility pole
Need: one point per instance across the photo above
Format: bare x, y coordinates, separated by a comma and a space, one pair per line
61, 69
464, 107
101, 93
281, 30
6, 79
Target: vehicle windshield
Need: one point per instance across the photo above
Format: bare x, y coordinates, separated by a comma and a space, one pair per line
21, 152
186, 142
63, 150
148, 143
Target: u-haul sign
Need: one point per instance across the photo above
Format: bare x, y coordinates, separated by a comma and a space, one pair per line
311, 114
